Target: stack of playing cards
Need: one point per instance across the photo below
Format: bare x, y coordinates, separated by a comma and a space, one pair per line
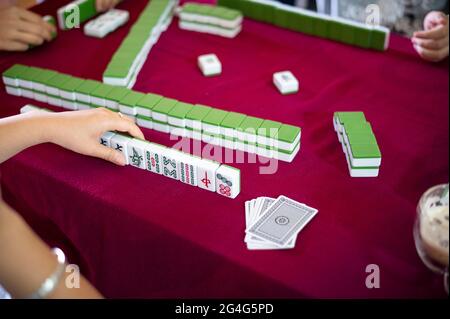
210, 19
106, 23
275, 223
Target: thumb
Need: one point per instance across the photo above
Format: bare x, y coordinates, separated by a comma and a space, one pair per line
109, 154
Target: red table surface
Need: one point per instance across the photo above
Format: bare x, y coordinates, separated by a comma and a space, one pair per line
135, 234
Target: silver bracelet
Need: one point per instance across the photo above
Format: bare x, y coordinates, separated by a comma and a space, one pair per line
49, 285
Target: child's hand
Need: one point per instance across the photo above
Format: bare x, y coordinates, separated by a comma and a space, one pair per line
432, 44
105, 5
81, 131
20, 28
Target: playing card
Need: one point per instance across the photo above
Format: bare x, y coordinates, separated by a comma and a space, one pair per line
255, 243
282, 221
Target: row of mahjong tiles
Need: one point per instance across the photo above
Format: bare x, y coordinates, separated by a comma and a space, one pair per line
127, 61
215, 20
184, 167
359, 143
229, 129
311, 23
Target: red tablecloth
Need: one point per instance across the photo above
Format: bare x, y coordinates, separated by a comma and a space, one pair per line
136, 234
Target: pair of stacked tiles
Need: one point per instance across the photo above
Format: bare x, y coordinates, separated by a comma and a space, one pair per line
311, 23
358, 143
228, 129
210, 19
186, 168
128, 60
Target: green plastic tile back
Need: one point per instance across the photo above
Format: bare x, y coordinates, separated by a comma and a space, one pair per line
233, 120
15, 71
44, 76
131, 99
102, 91
350, 117
250, 124
165, 106
149, 101
363, 37
59, 80
288, 133
377, 40
198, 112
72, 84
88, 87
215, 117
269, 129
117, 93
87, 9
180, 110
365, 151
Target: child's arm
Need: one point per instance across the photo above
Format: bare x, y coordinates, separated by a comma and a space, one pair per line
26, 261
77, 131
432, 44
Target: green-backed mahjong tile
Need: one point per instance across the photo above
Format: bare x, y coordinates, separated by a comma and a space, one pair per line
15, 71
72, 84
233, 120
365, 151
44, 76
131, 98
59, 80
348, 34
335, 30
281, 18
117, 93
250, 124
165, 106
320, 27
269, 129
378, 39
31, 73
200, 9
304, 24
116, 71
180, 110
102, 91
363, 37
149, 101
87, 87
198, 112
288, 133
215, 117
350, 117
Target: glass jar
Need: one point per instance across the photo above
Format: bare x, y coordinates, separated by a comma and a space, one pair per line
431, 230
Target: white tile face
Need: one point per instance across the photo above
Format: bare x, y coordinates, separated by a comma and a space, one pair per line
120, 143
67, 95
68, 105
52, 91
209, 64
153, 155
98, 101
164, 128
40, 97
286, 82
206, 175
143, 111
105, 139
127, 109
10, 81
112, 105
27, 93
170, 165
39, 87
83, 98
228, 181
13, 91
54, 101
26, 84
187, 169
159, 117
82, 106
136, 153
144, 123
